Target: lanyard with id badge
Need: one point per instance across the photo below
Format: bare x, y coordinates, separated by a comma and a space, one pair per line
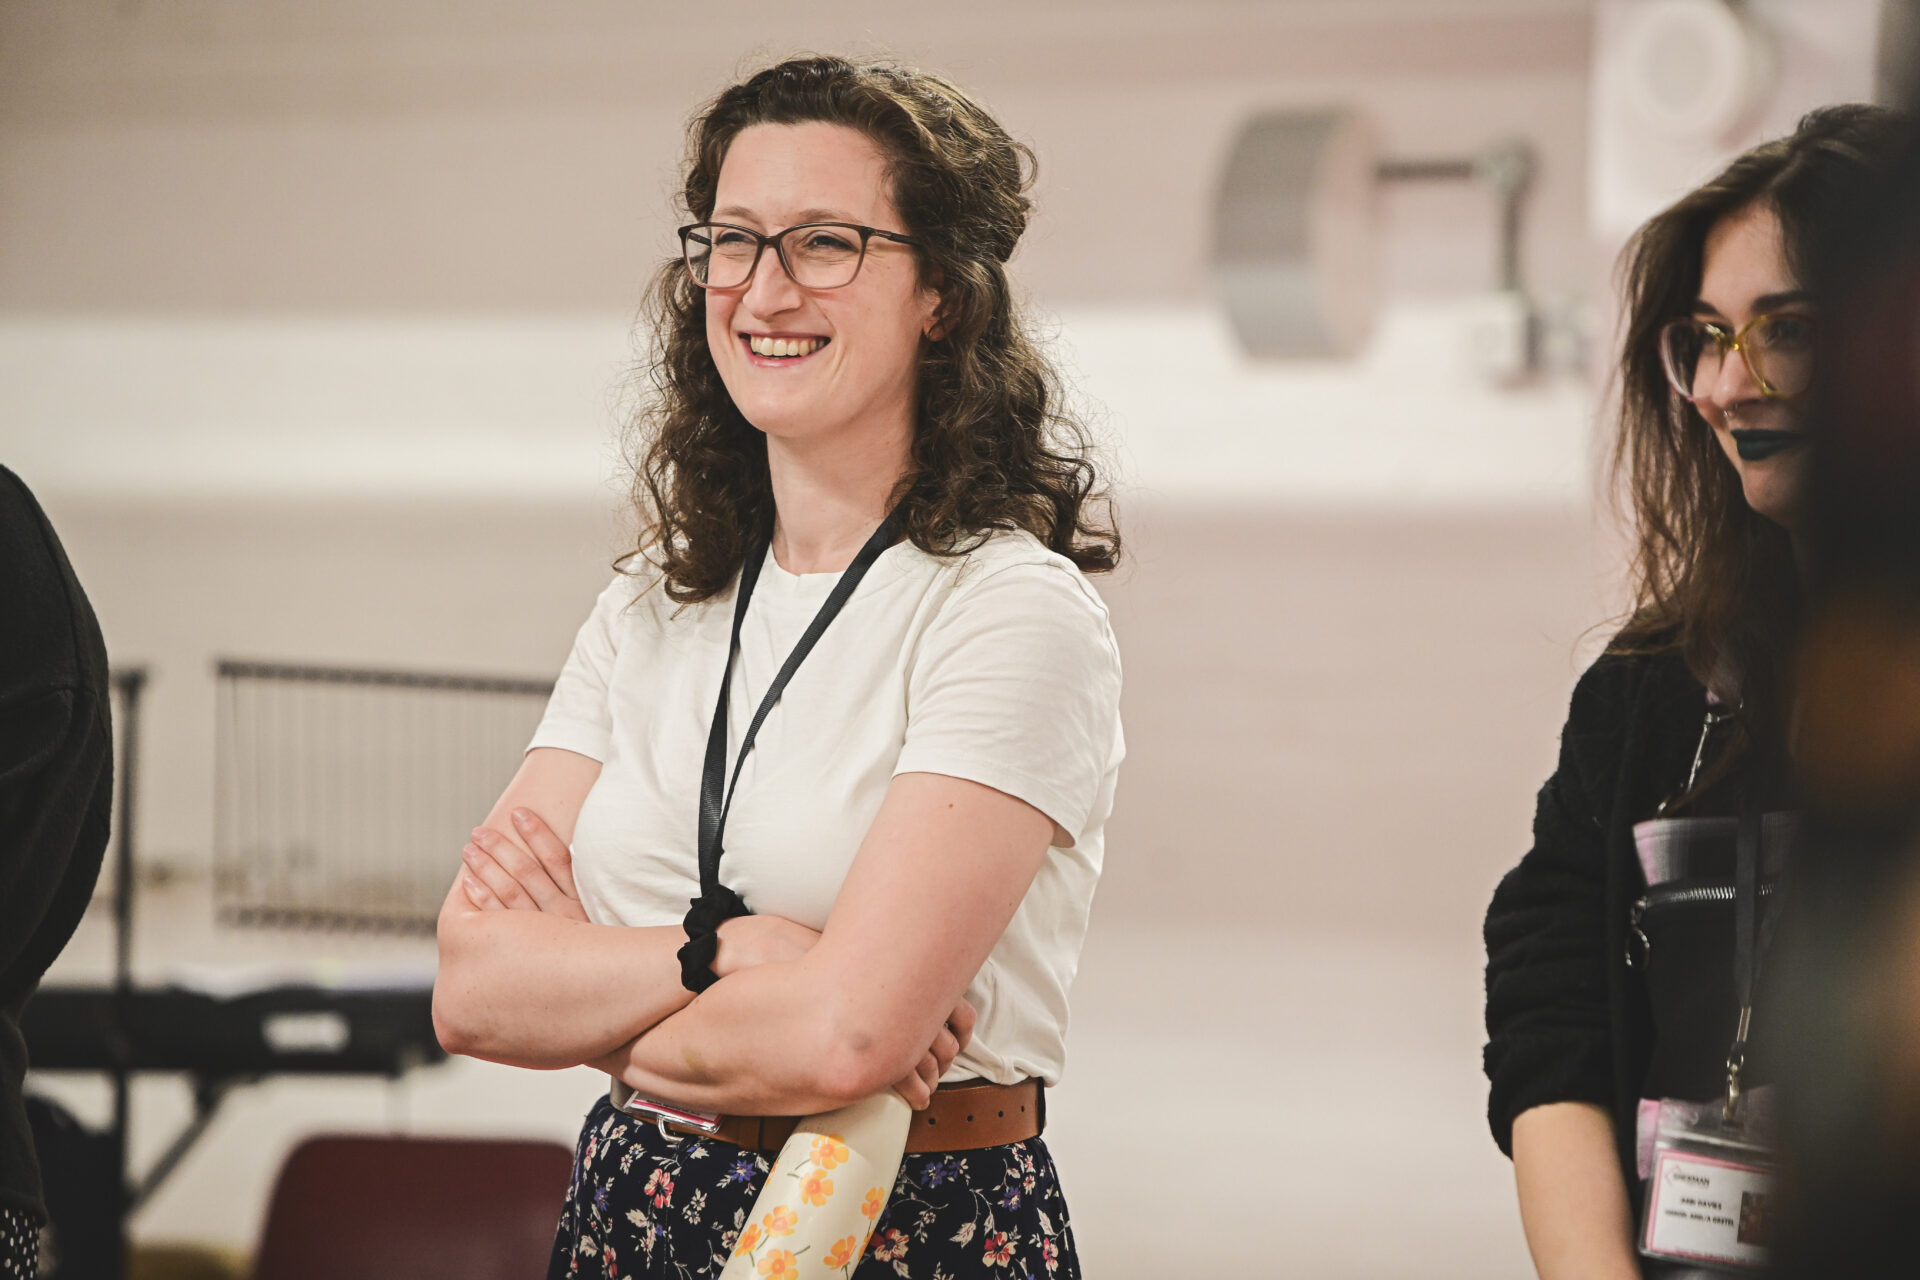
1711, 1185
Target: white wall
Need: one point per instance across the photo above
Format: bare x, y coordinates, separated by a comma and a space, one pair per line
391, 248
427, 156
509, 405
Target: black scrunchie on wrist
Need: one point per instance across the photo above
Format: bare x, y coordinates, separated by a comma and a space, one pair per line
704, 917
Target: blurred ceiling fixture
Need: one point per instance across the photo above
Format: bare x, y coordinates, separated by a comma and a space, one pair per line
1295, 238
1692, 68
1680, 87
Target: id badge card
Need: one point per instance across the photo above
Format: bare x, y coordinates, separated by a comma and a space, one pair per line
662, 1113
1710, 1191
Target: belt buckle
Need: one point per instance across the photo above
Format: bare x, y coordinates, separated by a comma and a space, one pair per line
663, 1113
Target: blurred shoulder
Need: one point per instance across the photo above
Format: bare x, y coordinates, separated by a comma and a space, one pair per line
28, 537
48, 633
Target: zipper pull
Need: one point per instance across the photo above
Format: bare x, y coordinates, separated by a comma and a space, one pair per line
1737, 1062
1633, 925
1714, 720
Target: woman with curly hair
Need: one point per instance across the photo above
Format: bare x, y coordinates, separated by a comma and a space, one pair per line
1612, 983
867, 530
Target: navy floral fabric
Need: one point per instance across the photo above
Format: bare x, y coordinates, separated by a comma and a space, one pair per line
643, 1205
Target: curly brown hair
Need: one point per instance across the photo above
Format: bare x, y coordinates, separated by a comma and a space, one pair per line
993, 445
1711, 577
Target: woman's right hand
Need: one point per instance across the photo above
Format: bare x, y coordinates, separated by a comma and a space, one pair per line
948, 1042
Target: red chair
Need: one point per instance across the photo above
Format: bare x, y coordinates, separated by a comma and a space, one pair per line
385, 1208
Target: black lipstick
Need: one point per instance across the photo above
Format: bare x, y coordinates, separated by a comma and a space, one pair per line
1757, 445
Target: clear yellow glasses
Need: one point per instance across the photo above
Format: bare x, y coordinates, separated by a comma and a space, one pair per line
1777, 349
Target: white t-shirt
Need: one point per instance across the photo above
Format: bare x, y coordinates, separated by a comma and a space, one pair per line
998, 666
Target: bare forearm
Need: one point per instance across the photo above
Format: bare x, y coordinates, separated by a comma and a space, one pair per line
535, 990
763, 1041
941, 871
1573, 1201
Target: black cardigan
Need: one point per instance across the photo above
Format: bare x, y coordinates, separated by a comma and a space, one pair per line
1567, 1018
56, 785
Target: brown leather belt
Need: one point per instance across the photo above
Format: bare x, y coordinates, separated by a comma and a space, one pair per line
963, 1116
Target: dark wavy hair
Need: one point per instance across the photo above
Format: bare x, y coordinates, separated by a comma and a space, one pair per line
993, 446
1711, 577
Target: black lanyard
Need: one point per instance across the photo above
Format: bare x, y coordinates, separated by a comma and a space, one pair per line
1751, 937
717, 903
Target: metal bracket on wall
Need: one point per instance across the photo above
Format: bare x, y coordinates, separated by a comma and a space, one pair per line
1296, 240
1507, 167
1506, 340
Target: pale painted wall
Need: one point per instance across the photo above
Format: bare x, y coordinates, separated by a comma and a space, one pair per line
396, 248
432, 156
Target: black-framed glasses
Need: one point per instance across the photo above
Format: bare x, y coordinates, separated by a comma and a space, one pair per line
1777, 348
818, 255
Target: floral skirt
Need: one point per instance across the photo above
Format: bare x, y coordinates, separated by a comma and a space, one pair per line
645, 1205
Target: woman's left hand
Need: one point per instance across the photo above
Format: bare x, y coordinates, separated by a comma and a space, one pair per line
918, 1087
509, 875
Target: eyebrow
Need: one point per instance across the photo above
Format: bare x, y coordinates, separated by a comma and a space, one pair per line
805, 215
1765, 302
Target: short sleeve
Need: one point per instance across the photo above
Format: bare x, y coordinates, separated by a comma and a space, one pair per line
1016, 685
579, 716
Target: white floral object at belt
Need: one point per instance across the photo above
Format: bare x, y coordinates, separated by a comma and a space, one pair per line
827, 1189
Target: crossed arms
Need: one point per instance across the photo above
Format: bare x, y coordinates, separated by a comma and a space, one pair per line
800, 1022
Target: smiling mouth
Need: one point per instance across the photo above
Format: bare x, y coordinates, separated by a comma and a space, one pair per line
783, 348
1757, 445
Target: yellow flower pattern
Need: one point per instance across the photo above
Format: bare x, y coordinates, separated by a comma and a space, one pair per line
781, 1221
815, 1189
830, 1151
842, 1253
780, 1265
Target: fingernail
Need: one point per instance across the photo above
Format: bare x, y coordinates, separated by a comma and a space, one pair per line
469, 853
522, 818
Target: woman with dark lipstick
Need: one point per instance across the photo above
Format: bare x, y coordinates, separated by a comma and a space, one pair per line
1608, 987
854, 699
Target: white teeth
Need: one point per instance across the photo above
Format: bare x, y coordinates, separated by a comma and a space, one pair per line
784, 346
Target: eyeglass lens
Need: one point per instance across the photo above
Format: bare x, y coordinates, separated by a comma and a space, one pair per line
826, 256
1778, 351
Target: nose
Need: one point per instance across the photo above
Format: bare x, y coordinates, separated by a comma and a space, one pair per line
771, 290
1732, 383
